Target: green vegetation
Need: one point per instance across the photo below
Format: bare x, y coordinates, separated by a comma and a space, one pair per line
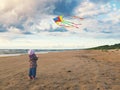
107, 47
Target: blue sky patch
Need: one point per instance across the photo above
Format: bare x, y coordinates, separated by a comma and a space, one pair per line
63, 7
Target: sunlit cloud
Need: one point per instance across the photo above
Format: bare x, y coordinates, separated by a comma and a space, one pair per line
24, 20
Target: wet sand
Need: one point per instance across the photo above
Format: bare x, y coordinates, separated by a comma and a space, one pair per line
70, 70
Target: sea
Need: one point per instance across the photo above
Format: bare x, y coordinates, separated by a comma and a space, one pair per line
18, 52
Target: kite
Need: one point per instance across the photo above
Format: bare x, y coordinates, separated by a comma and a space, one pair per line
61, 22
77, 17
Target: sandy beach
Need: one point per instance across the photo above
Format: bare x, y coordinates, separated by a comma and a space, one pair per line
69, 70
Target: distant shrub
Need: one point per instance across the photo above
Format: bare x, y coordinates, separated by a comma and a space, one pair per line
107, 47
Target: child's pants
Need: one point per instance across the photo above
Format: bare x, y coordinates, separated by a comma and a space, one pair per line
32, 72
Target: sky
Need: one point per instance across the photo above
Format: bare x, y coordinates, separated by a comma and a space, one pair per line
28, 24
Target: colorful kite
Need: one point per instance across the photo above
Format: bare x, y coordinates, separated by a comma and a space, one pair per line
61, 22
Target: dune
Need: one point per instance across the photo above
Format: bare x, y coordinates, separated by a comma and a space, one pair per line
68, 70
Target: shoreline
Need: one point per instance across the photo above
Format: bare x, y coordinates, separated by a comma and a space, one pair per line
9, 55
41, 52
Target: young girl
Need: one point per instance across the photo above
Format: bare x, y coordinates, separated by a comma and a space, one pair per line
33, 64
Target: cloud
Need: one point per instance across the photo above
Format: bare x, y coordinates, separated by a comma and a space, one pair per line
87, 9
58, 30
23, 19
18, 11
14, 11
2, 29
33, 14
113, 16
100, 1
99, 19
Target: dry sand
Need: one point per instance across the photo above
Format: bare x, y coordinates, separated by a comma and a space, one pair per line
71, 70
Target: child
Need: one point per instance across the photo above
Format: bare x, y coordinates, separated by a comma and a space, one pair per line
33, 64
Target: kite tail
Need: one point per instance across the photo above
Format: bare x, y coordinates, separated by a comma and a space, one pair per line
70, 23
